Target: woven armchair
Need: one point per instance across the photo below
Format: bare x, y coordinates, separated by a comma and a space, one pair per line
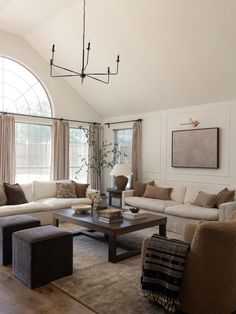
209, 282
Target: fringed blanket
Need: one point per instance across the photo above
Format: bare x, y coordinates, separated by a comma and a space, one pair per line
163, 270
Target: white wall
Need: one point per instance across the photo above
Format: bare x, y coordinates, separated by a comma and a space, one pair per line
157, 131
66, 102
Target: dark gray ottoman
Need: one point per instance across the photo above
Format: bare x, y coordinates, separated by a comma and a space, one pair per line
8, 225
43, 254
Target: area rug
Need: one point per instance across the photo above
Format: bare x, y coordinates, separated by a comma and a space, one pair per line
104, 287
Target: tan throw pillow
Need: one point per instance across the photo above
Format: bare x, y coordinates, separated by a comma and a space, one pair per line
81, 189
66, 190
139, 187
15, 194
3, 196
205, 200
224, 196
157, 192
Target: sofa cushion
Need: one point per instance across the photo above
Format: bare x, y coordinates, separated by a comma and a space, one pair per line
224, 196
66, 190
59, 203
44, 189
140, 187
23, 209
177, 193
15, 194
205, 200
193, 190
148, 203
193, 212
157, 192
3, 196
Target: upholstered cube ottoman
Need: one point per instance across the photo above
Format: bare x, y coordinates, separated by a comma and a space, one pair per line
42, 254
8, 225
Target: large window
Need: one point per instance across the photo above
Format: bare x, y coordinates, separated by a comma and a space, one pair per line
123, 138
78, 153
33, 152
22, 92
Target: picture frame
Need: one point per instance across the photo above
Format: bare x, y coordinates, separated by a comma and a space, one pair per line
198, 148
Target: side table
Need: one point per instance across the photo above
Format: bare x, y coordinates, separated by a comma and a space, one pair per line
114, 193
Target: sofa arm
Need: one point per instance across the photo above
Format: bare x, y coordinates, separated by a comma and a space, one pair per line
226, 209
125, 194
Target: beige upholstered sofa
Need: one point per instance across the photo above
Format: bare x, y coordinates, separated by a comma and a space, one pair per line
179, 210
42, 201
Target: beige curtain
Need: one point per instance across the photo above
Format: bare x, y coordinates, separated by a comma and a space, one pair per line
136, 151
60, 150
94, 142
7, 149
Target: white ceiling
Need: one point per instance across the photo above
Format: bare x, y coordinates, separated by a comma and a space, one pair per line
173, 52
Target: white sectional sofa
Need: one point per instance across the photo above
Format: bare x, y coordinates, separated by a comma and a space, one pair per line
179, 210
42, 201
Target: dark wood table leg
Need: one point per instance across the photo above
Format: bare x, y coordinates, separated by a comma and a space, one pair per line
110, 200
112, 249
55, 222
162, 230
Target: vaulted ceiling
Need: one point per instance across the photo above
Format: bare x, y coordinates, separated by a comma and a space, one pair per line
173, 52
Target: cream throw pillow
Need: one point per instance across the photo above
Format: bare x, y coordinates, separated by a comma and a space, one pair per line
205, 200
157, 192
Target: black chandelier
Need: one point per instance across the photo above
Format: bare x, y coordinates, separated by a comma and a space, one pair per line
85, 61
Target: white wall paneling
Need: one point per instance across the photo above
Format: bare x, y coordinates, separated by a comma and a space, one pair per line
157, 141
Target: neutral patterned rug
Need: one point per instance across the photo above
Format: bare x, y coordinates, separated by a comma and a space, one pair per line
105, 287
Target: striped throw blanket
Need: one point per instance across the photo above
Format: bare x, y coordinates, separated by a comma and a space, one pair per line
163, 270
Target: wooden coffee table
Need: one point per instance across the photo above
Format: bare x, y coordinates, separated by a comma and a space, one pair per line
110, 231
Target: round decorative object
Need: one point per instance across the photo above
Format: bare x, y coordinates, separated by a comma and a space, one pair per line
134, 210
121, 182
81, 208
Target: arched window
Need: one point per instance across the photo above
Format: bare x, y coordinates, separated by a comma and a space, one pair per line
21, 92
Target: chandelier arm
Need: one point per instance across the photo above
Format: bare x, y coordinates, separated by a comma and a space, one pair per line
65, 69
115, 73
110, 73
97, 79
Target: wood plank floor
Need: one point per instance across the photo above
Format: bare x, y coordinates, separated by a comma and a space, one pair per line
16, 298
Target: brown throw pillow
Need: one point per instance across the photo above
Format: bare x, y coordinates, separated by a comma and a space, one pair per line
3, 196
139, 187
205, 200
81, 189
66, 190
224, 196
157, 192
15, 194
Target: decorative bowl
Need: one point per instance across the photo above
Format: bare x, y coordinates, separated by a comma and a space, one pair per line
134, 210
81, 208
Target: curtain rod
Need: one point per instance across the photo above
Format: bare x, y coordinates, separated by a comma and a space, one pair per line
109, 123
43, 117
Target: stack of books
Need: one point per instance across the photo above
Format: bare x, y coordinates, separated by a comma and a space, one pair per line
111, 215
130, 215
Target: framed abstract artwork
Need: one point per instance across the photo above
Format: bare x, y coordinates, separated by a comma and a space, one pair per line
197, 148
